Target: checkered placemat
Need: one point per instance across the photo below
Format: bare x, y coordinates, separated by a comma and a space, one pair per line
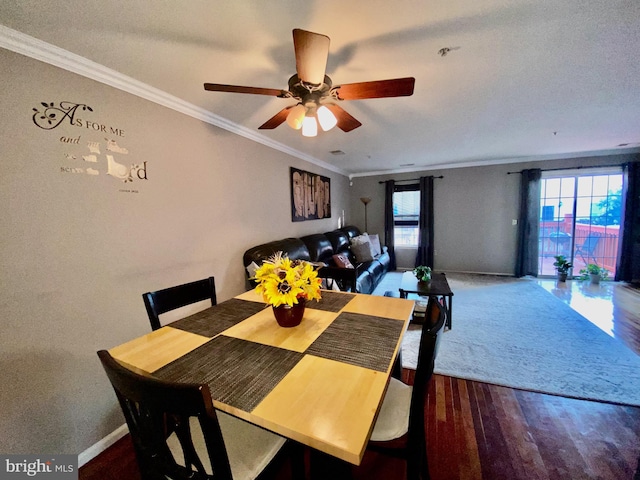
362, 340
217, 319
239, 373
331, 301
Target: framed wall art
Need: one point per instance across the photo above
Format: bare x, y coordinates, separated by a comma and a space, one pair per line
310, 196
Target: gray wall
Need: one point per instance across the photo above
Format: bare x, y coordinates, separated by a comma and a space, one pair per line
474, 210
77, 250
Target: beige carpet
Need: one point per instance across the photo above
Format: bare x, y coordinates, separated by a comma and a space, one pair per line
512, 332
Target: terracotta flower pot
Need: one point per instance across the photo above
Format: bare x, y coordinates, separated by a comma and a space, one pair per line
290, 316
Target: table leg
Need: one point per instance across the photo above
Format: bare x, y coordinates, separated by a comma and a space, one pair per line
396, 370
448, 306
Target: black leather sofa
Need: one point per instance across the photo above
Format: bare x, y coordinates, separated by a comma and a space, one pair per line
321, 247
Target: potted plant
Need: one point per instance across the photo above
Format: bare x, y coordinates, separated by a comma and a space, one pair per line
422, 273
562, 267
594, 272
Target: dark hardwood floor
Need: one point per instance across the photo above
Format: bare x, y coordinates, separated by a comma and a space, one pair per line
482, 431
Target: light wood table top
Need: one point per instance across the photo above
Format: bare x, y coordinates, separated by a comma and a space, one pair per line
320, 383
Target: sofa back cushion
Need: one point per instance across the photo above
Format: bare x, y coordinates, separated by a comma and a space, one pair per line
319, 247
351, 231
339, 241
293, 247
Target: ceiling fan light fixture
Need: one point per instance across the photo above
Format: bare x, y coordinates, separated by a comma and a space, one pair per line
296, 116
309, 126
326, 118
311, 87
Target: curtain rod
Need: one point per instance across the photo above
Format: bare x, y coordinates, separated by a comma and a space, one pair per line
572, 168
409, 179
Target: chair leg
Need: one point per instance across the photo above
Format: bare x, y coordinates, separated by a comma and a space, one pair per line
417, 463
298, 469
425, 467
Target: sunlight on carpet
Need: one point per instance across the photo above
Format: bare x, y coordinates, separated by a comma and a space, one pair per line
512, 332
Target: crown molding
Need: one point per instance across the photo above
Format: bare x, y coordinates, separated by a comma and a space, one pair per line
23, 44
500, 161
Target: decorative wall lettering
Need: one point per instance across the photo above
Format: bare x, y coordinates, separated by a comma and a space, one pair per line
125, 174
71, 170
112, 146
53, 116
310, 196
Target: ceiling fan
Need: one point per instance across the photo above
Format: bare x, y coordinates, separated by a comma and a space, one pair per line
317, 97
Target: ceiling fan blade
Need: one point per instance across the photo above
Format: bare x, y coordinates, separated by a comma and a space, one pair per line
398, 87
346, 122
312, 51
276, 120
219, 87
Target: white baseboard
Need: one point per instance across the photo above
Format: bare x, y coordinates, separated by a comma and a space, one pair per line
482, 273
96, 449
401, 269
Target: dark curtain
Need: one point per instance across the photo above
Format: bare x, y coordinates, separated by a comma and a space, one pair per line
425, 226
389, 187
529, 223
629, 254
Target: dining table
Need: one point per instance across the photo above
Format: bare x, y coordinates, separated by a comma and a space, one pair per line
320, 383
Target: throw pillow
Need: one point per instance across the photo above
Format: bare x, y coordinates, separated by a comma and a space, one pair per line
342, 261
360, 239
376, 249
362, 252
252, 268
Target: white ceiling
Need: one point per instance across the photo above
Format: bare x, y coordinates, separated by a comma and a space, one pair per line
531, 80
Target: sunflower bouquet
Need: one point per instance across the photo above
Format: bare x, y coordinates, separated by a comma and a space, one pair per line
282, 281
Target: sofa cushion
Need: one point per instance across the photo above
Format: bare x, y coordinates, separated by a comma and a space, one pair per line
319, 246
364, 283
293, 247
351, 231
339, 240
384, 259
376, 269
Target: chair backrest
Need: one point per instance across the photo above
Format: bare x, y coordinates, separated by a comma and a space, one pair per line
163, 301
589, 245
432, 330
154, 409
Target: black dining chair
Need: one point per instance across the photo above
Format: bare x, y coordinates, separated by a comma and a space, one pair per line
400, 427
163, 301
177, 433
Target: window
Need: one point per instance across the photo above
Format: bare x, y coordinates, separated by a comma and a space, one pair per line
406, 215
580, 217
